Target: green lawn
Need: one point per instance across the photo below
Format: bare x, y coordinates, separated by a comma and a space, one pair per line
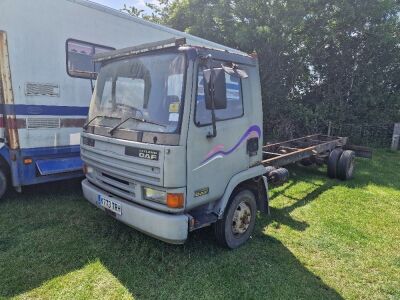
325, 239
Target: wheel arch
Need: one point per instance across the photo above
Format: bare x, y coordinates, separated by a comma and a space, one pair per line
251, 179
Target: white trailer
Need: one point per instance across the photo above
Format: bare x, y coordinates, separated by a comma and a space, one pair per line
46, 80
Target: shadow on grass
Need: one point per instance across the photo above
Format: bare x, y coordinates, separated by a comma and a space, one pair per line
282, 215
50, 231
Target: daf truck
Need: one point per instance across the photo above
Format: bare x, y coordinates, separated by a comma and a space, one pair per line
174, 142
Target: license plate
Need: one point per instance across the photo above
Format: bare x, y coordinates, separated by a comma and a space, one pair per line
109, 204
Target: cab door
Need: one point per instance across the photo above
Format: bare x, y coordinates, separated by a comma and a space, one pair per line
212, 162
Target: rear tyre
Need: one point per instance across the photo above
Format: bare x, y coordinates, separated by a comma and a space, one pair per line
333, 161
237, 225
3, 182
346, 165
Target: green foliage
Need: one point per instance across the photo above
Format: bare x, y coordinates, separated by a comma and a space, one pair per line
320, 60
133, 11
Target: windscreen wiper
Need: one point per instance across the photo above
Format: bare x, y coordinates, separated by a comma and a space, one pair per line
136, 119
95, 118
86, 126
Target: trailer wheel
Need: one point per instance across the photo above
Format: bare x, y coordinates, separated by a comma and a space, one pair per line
3, 182
235, 228
346, 165
333, 162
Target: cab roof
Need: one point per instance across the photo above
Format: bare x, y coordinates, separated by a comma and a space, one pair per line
174, 43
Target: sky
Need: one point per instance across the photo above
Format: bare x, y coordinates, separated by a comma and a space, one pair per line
118, 4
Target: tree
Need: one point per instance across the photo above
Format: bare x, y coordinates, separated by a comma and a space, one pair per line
320, 60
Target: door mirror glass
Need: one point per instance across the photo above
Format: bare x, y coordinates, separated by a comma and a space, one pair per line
215, 88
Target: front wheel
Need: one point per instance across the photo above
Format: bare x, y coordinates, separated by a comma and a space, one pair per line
237, 225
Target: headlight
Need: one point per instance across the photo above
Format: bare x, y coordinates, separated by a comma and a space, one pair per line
154, 195
87, 170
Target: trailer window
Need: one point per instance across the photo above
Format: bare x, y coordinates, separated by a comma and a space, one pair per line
234, 107
80, 58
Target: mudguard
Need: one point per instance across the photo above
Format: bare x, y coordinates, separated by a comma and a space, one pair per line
253, 172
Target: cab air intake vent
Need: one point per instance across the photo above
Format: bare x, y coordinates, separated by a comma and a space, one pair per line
42, 89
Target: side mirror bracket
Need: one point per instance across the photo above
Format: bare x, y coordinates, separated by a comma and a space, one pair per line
214, 91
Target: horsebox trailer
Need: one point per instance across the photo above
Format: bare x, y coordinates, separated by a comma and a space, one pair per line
46, 79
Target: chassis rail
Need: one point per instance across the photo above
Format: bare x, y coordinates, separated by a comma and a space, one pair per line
285, 153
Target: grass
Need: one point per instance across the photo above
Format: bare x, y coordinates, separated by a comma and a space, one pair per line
325, 239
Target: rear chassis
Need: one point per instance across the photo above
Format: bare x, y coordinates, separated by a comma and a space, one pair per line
315, 147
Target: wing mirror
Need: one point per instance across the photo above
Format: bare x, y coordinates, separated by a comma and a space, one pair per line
215, 88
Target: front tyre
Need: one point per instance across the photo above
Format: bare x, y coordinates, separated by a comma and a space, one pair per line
235, 228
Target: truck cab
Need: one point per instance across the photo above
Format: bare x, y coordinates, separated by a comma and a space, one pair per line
173, 141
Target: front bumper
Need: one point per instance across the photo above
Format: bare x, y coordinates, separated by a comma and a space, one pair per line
166, 227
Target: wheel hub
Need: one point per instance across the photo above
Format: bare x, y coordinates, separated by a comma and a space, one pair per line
241, 218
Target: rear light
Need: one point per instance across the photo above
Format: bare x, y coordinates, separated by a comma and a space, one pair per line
175, 200
28, 161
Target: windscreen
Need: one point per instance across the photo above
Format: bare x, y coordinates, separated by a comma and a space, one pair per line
145, 91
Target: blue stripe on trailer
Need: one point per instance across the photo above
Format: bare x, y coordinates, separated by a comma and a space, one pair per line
47, 110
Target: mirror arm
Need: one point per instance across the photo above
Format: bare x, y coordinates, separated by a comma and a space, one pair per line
212, 134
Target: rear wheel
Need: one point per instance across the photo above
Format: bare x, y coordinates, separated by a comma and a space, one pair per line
346, 165
3, 182
237, 225
333, 161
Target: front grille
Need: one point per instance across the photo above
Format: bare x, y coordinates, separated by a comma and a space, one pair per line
120, 166
116, 179
117, 186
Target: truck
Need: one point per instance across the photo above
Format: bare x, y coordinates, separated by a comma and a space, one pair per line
46, 80
174, 142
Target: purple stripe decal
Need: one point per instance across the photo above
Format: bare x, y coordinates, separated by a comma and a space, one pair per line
253, 131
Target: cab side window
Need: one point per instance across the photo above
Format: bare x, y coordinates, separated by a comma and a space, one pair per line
234, 107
